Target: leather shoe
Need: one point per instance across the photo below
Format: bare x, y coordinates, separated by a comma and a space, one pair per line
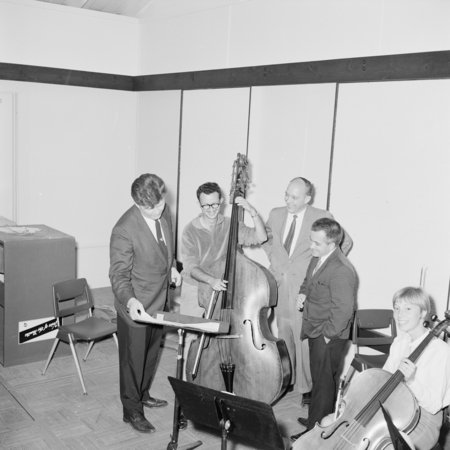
306, 398
302, 421
294, 437
154, 403
182, 422
138, 422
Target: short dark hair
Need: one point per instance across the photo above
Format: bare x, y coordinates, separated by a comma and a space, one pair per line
331, 228
209, 188
308, 184
148, 190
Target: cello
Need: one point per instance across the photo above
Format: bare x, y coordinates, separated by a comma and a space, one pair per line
249, 361
362, 426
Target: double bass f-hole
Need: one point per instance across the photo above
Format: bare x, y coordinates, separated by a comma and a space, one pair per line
257, 341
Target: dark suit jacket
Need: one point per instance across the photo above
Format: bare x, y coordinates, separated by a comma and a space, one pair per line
138, 267
290, 271
330, 297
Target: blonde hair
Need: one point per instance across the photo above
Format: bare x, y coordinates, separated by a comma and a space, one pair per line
414, 296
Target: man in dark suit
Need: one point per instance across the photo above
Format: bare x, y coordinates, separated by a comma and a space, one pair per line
142, 266
328, 296
289, 269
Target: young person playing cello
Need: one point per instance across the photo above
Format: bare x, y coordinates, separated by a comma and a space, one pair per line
429, 378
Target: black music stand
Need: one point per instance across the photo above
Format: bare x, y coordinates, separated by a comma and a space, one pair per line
183, 322
229, 413
173, 444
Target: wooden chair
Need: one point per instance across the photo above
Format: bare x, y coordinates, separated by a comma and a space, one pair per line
365, 334
70, 298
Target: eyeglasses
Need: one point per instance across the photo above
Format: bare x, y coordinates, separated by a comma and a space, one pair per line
212, 205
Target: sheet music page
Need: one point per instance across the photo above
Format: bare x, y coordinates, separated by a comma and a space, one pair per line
210, 327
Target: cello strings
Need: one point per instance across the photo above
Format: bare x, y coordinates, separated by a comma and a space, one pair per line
372, 407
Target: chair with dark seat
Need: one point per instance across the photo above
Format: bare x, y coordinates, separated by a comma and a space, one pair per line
365, 334
70, 299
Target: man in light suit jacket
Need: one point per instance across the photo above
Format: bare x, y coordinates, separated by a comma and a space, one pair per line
142, 266
328, 296
289, 270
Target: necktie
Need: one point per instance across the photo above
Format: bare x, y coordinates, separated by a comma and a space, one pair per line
290, 236
319, 262
161, 242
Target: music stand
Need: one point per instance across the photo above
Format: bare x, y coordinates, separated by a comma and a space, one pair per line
229, 413
183, 322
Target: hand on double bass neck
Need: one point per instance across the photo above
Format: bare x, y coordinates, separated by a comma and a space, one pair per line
257, 221
241, 201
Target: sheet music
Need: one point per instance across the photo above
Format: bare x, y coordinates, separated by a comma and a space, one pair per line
209, 327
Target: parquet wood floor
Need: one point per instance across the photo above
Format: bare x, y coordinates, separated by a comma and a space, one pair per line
50, 412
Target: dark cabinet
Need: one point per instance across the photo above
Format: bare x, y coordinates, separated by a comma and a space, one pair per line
30, 263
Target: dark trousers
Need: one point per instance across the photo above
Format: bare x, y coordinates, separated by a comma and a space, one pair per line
324, 360
138, 354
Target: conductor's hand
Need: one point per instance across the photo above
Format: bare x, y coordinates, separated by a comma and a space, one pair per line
217, 284
300, 301
176, 277
134, 308
408, 369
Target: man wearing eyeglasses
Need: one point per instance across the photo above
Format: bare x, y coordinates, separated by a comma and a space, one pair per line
204, 241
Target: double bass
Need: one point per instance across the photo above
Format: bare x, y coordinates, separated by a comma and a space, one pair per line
249, 361
362, 425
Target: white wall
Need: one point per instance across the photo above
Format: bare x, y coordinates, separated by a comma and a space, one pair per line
214, 131
180, 35
158, 139
49, 35
290, 136
391, 187
7, 155
75, 164
76, 147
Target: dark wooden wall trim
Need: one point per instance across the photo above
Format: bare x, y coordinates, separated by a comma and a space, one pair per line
51, 75
410, 66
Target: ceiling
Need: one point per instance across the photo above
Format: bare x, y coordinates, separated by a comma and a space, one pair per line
130, 8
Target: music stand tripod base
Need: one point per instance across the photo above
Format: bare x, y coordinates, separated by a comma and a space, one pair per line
173, 444
185, 446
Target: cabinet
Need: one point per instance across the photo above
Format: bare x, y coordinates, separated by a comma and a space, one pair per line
30, 263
